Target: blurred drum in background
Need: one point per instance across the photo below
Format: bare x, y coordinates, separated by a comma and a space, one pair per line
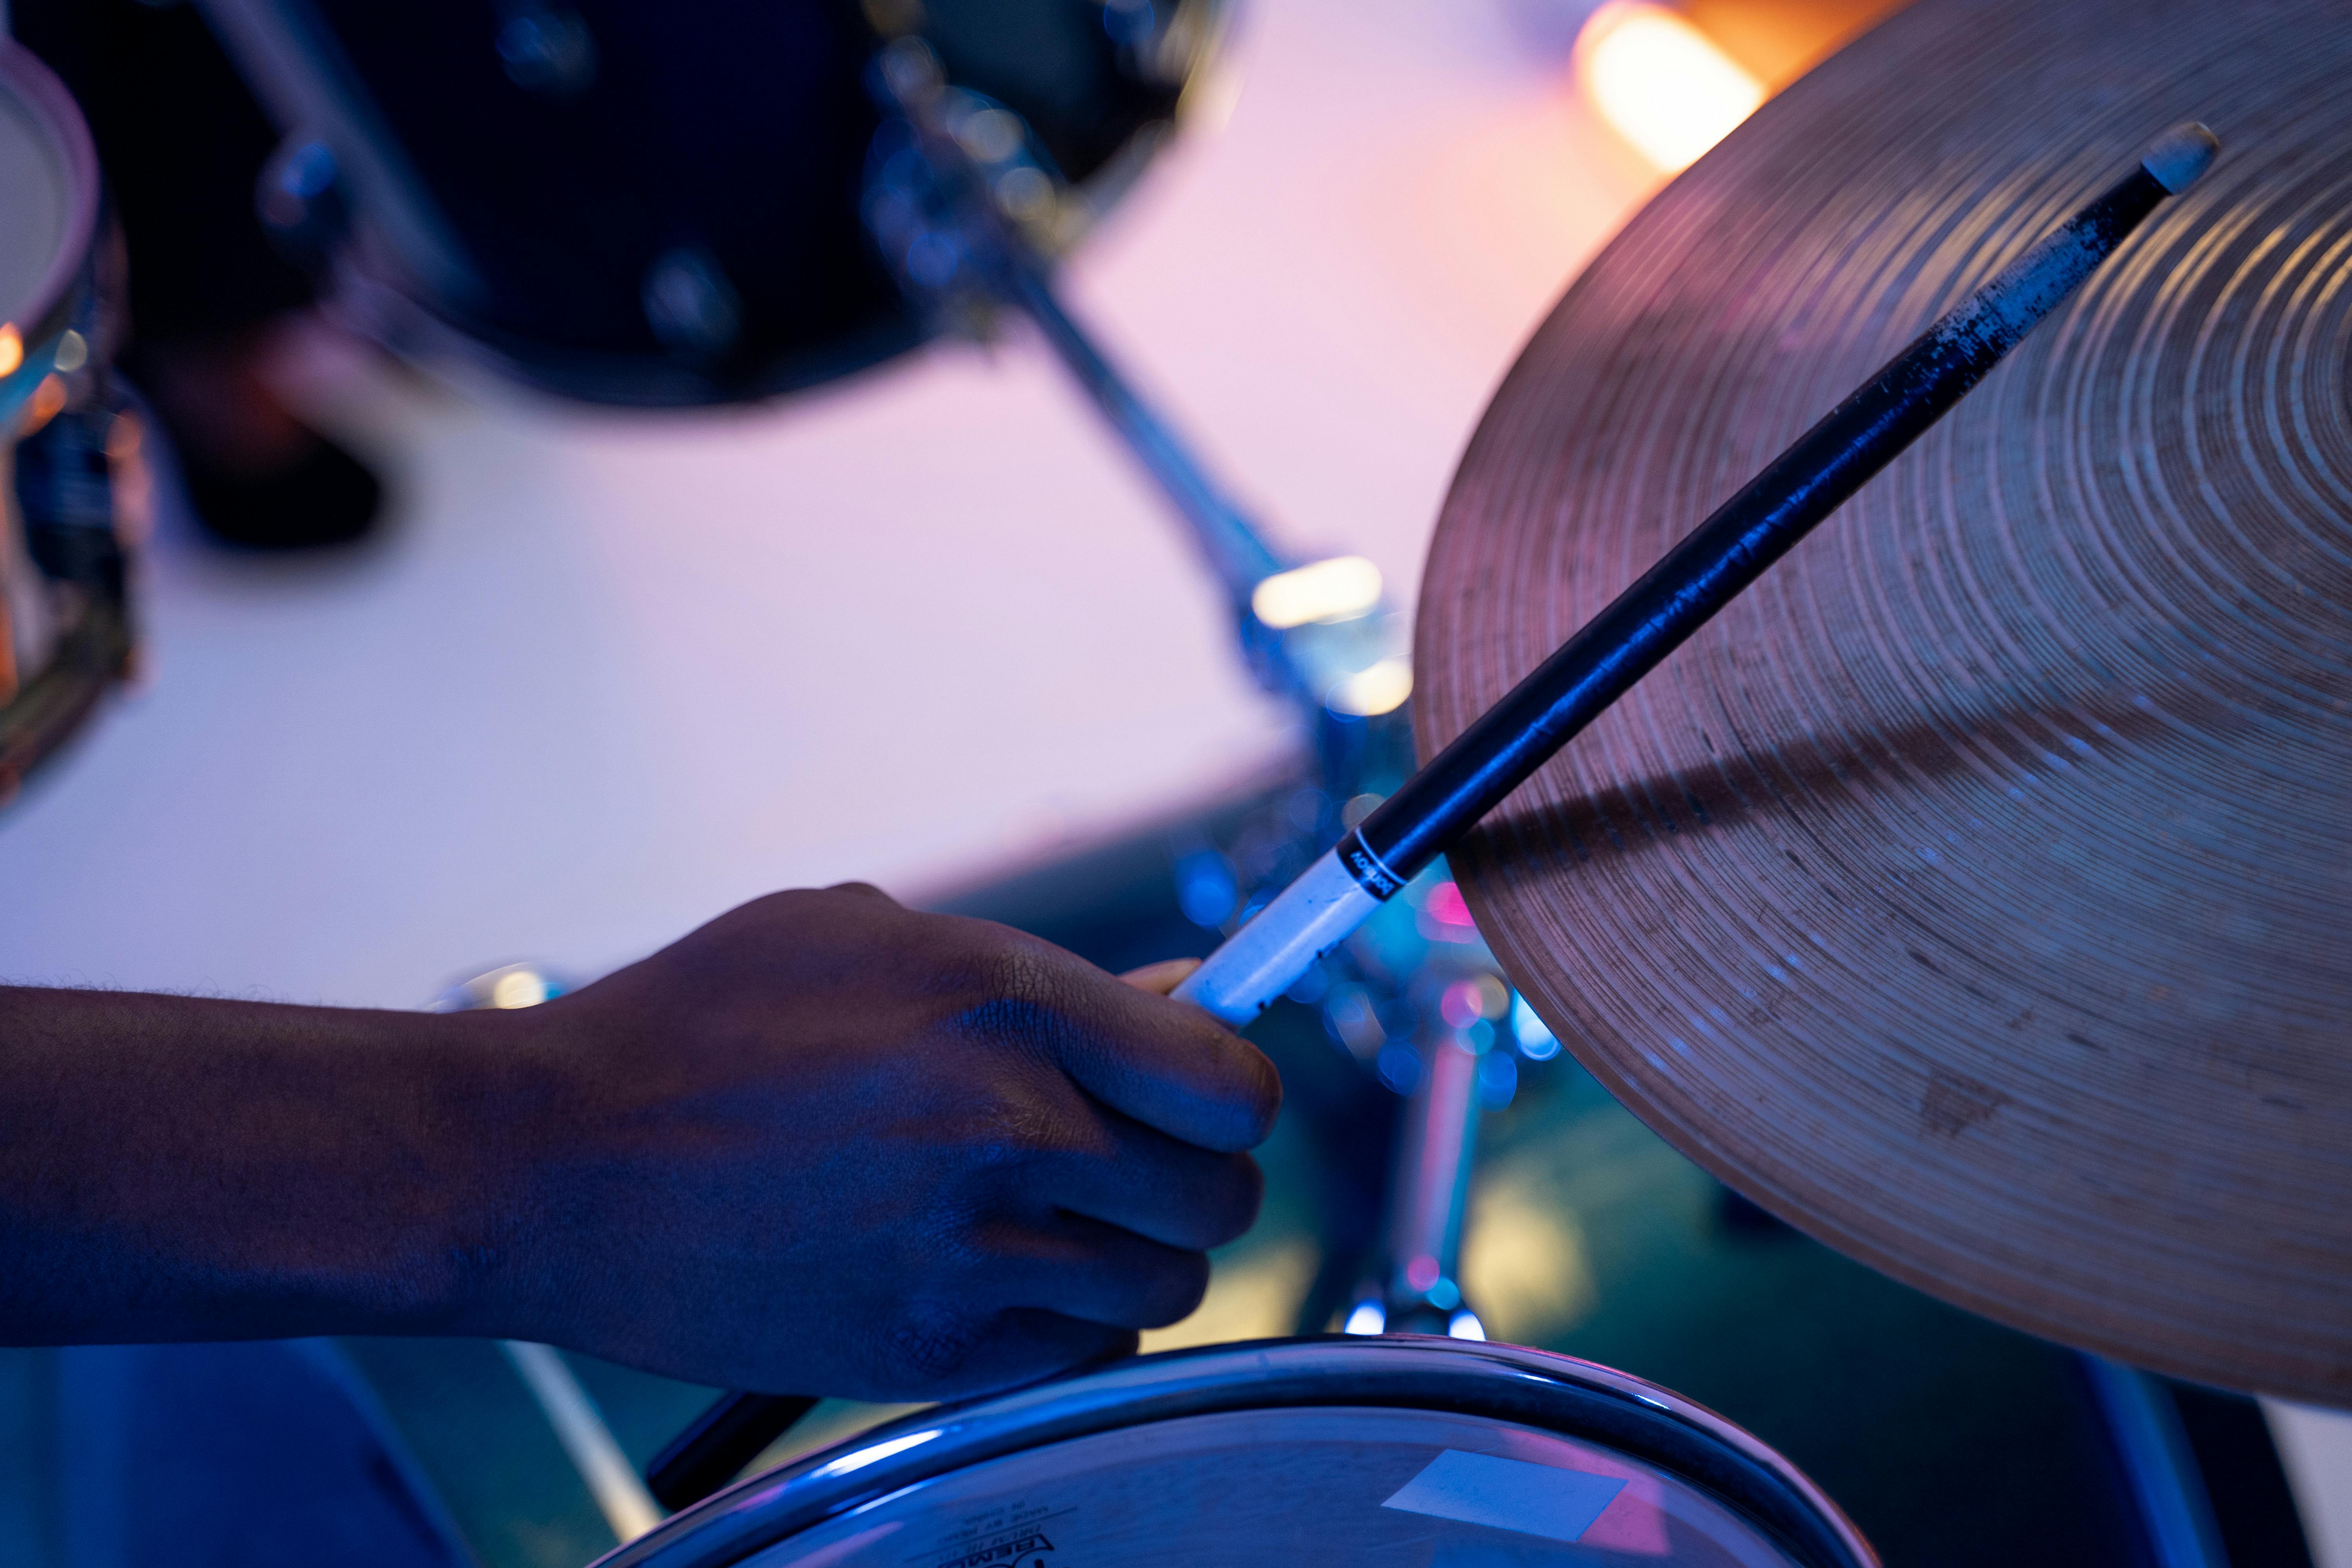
70, 459
661, 205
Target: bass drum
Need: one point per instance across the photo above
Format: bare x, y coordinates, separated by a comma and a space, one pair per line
70, 464
1405, 1451
647, 205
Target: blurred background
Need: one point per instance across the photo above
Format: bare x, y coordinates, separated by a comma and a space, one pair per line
607, 673
603, 674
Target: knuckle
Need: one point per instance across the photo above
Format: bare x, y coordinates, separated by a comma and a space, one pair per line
928, 1343
1009, 1108
1013, 993
1004, 1129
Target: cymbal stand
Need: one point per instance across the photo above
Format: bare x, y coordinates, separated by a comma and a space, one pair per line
1420, 1293
964, 210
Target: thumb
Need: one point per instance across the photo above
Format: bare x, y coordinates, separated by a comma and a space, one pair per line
1162, 977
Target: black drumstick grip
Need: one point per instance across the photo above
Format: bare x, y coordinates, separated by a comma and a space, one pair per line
718, 1444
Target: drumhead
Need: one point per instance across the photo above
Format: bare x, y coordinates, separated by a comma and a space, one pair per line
50, 175
1428, 1452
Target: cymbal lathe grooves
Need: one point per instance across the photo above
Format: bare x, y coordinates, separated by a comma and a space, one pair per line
1974, 893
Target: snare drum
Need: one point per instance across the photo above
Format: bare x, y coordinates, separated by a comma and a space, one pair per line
1396, 1450
67, 444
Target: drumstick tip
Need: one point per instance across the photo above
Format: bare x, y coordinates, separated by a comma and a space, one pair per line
2180, 155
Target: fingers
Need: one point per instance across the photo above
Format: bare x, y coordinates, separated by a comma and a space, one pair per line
1083, 1268
1042, 1295
1165, 1064
1142, 1180
1072, 1289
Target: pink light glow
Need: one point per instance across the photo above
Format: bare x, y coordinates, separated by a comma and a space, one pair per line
1461, 1005
1445, 903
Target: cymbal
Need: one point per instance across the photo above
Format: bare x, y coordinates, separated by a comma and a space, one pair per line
1976, 892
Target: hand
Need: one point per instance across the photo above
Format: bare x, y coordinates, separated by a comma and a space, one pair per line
828, 1144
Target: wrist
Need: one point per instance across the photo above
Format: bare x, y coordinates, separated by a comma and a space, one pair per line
503, 1101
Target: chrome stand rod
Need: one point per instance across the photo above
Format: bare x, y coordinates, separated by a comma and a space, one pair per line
1236, 550
1436, 1147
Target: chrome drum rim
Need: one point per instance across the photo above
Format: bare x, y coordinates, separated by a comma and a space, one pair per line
1402, 1371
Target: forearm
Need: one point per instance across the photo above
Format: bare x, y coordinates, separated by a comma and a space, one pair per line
821, 1143
182, 1168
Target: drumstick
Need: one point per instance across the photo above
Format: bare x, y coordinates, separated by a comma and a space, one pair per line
1697, 577
714, 1447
